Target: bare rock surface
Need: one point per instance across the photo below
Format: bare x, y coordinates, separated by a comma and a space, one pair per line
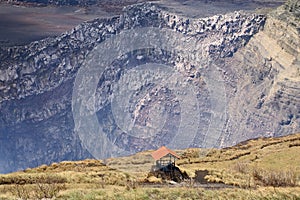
246, 85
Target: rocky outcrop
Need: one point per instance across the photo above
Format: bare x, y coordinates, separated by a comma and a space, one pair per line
258, 90
266, 98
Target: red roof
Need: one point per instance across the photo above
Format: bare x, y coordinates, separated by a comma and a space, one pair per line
163, 151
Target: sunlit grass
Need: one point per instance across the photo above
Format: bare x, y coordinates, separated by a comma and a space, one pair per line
250, 168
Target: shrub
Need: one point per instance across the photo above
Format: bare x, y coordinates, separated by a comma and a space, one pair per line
45, 190
36, 191
131, 184
20, 191
241, 167
38, 187
275, 178
31, 179
191, 153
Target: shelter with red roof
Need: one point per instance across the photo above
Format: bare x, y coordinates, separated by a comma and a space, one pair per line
164, 157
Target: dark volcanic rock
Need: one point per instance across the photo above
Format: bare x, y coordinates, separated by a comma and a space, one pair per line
242, 89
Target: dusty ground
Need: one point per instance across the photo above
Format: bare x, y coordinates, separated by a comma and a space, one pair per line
20, 25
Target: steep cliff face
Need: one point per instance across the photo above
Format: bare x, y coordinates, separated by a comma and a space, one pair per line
245, 85
266, 98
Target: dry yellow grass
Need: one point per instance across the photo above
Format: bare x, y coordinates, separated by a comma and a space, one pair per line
250, 166
235, 165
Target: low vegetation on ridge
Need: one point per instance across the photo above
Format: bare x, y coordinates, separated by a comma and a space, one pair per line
264, 168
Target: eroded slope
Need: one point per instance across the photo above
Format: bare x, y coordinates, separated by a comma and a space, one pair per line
257, 73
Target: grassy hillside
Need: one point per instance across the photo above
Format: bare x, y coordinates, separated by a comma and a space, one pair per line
265, 168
